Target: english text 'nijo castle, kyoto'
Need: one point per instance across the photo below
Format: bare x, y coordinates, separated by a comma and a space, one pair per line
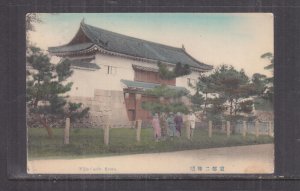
111, 72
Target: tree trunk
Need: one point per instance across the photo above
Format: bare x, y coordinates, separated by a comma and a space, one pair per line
235, 107
45, 124
231, 112
231, 106
205, 103
35, 103
233, 126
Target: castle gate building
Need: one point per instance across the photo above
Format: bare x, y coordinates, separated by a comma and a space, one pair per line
111, 72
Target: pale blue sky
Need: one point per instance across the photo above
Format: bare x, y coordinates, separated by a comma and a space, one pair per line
214, 38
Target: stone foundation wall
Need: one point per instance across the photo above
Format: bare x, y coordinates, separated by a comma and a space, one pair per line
106, 107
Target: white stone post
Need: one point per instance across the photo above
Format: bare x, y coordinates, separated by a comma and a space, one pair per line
256, 128
244, 128
188, 129
223, 125
270, 128
67, 131
228, 128
106, 134
133, 124
138, 130
209, 129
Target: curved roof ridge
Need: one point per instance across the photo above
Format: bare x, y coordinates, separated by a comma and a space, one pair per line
67, 47
83, 28
129, 37
209, 67
131, 46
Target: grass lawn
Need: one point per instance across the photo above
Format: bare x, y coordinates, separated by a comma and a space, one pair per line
89, 142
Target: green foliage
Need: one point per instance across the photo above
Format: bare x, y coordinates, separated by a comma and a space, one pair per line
42, 83
263, 104
245, 106
63, 70
164, 72
32, 18
259, 82
197, 101
56, 106
231, 85
177, 71
216, 108
227, 89
205, 84
177, 107
180, 70
269, 56
269, 93
46, 88
217, 105
229, 82
75, 111
155, 107
167, 92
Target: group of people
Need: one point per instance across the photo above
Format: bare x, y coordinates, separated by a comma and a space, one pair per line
170, 125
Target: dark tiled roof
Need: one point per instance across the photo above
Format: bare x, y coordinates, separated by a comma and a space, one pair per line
82, 64
137, 67
146, 85
70, 48
131, 46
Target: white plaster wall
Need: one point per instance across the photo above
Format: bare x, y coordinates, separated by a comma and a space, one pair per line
85, 81
183, 81
122, 70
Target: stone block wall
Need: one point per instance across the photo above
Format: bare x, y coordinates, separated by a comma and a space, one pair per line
106, 107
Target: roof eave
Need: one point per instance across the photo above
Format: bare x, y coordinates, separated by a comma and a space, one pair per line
209, 67
95, 48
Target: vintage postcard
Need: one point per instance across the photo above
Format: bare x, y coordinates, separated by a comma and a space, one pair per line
150, 93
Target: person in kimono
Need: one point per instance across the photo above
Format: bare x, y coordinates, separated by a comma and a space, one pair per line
178, 122
171, 125
156, 127
163, 125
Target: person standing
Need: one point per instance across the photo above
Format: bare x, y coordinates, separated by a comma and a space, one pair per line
171, 125
163, 124
179, 122
192, 123
156, 127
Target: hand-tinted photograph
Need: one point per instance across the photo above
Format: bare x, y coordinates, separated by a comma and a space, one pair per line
149, 93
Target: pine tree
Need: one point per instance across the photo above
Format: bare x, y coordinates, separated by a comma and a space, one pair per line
232, 85
269, 93
166, 92
46, 89
177, 71
205, 85
259, 82
172, 101
226, 89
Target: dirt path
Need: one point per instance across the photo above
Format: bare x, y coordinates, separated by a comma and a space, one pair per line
241, 159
